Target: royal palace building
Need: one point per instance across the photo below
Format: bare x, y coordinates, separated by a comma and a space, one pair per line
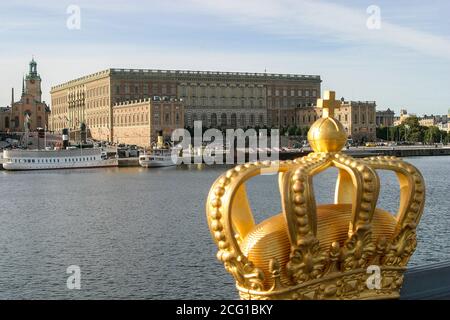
30, 111
140, 122
357, 117
385, 118
218, 99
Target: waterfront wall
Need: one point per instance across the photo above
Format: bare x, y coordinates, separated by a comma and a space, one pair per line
362, 153
413, 152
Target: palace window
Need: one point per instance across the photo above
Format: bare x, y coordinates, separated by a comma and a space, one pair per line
223, 119
243, 121
252, 119
213, 120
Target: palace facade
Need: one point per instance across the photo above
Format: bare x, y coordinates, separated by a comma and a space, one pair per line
30, 110
140, 122
218, 99
385, 118
357, 117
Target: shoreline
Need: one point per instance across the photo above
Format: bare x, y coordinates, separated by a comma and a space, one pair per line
362, 152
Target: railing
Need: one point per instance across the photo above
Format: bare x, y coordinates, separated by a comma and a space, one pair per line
217, 73
430, 281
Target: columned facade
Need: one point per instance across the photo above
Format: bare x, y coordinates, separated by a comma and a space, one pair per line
221, 99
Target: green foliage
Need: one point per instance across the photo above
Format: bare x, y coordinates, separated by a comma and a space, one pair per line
411, 131
291, 130
432, 135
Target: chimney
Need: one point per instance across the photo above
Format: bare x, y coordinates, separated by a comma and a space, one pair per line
12, 96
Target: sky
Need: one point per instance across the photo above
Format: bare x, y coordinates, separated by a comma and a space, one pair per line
396, 53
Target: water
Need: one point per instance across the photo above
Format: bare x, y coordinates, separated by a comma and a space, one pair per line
142, 234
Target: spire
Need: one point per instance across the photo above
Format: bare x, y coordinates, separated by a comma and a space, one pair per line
33, 67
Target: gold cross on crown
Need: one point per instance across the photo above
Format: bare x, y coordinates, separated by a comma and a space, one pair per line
328, 104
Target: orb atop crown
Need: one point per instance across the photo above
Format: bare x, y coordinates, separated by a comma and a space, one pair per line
327, 134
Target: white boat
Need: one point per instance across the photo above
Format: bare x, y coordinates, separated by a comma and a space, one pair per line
20, 159
159, 157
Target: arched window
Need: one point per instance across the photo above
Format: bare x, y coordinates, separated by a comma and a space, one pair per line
213, 120
223, 119
243, 121
39, 122
233, 120
252, 120
204, 120
6, 122
16, 121
194, 118
261, 120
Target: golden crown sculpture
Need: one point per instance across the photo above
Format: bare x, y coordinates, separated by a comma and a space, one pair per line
311, 251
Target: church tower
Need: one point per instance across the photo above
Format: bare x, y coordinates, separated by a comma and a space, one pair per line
33, 82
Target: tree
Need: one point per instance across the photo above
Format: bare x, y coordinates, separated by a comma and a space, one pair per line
432, 135
382, 133
305, 131
291, 130
393, 133
445, 137
410, 130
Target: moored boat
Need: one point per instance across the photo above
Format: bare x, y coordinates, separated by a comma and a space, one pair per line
159, 157
19, 159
